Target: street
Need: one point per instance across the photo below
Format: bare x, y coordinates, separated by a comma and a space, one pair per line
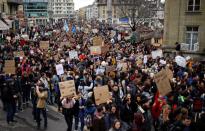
26, 122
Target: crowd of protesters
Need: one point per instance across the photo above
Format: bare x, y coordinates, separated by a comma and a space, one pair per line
135, 103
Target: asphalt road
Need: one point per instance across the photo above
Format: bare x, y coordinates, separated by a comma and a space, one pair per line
25, 120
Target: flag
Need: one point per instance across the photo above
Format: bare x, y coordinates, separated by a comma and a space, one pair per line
66, 26
73, 29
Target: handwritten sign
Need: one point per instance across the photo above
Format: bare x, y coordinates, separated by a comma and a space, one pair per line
162, 82
44, 45
59, 69
101, 94
73, 54
95, 50
67, 88
9, 63
9, 67
157, 53
97, 41
181, 61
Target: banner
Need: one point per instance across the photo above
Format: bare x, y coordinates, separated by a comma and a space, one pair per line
67, 88
162, 82
181, 61
95, 50
44, 45
73, 54
101, 94
59, 69
157, 53
97, 41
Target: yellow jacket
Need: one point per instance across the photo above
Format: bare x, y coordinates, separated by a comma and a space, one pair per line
42, 96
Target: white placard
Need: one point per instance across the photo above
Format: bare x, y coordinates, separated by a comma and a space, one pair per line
59, 69
145, 59
157, 53
184, 46
95, 30
119, 37
181, 61
73, 54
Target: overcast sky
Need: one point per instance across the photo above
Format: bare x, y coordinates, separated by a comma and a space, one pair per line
82, 3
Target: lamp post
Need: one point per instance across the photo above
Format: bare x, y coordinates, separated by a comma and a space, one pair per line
109, 11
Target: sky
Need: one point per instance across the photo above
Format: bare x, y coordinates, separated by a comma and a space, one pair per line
83, 3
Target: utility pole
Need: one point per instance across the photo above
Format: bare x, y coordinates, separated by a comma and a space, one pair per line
109, 11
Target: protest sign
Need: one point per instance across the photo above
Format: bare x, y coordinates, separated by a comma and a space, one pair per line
101, 94
110, 68
95, 50
169, 73
19, 54
97, 41
59, 69
123, 66
9, 67
9, 70
119, 37
73, 54
95, 30
181, 61
67, 88
63, 44
113, 33
72, 40
162, 82
44, 45
9, 63
145, 59
157, 53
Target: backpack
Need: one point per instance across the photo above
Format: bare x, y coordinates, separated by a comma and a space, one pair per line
88, 120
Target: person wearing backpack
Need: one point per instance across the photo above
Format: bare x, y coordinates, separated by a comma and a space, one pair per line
89, 114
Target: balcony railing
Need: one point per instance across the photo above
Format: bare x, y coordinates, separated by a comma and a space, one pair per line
15, 1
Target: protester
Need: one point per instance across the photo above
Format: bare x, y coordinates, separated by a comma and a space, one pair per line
129, 70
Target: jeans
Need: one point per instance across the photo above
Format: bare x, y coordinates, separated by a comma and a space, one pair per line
38, 116
11, 109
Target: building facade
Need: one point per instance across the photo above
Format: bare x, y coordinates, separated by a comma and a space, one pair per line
61, 9
36, 12
185, 23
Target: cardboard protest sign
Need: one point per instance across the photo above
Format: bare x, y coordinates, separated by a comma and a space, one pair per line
113, 33
157, 53
86, 30
73, 54
63, 44
19, 54
110, 68
59, 69
169, 73
9, 70
101, 94
9, 63
72, 40
67, 88
95, 50
181, 61
44, 45
162, 82
97, 41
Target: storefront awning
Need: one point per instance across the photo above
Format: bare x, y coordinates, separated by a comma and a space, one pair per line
3, 26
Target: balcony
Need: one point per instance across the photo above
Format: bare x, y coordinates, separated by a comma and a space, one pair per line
18, 2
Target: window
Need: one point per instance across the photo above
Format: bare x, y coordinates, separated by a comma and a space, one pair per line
192, 36
193, 5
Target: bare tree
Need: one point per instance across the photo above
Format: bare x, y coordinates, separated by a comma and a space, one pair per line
138, 11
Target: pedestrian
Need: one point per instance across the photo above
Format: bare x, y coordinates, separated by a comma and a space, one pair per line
42, 94
68, 112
